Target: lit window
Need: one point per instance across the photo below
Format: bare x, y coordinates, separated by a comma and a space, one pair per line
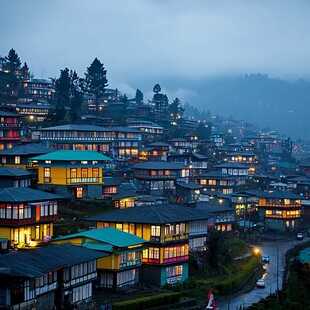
17, 159
79, 192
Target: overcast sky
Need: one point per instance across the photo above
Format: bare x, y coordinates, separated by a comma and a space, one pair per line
142, 42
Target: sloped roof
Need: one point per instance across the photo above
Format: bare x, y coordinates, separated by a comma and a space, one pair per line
73, 155
158, 165
231, 165
25, 194
108, 235
111, 181
79, 127
14, 172
153, 214
34, 263
216, 175
28, 149
273, 194
189, 185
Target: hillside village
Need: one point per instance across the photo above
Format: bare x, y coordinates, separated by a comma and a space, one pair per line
165, 179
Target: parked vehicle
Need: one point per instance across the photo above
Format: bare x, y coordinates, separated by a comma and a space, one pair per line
260, 283
300, 236
265, 259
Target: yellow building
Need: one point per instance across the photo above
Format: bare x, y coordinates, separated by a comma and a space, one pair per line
121, 267
172, 231
72, 174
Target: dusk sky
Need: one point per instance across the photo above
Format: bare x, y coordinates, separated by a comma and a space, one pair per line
144, 42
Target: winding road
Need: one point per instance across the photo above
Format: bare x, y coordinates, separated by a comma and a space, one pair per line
271, 248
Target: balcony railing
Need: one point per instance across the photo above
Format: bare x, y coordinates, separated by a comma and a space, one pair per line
82, 180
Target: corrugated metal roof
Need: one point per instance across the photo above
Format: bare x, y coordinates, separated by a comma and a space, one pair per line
73, 155
108, 235
28, 149
25, 194
33, 263
14, 172
153, 214
156, 165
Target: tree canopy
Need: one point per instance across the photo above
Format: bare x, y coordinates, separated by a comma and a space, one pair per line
95, 81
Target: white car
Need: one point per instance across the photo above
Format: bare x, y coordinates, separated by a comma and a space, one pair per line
260, 283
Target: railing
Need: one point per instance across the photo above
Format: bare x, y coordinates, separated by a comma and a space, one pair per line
82, 180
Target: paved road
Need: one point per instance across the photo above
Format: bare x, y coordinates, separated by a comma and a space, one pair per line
270, 248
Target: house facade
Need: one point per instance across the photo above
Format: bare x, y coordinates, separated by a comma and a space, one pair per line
216, 181
279, 210
18, 156
10, 130
27, 215
120, 268
171, 230
159, 177
117, 142
15, 177
72, 174
43, 279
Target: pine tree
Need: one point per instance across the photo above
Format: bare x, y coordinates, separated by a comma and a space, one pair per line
160, 103
95, 81
13, 62
174, 108
139, 96
25, 71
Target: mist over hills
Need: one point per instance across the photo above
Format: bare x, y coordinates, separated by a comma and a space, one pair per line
281, 105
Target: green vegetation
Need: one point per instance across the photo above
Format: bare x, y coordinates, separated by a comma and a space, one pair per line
72, 215
148, 302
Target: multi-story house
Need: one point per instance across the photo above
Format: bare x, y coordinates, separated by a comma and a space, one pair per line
121, 267
10, 129
187, 193
35, 111
181, 145
217, 182
196, 163
27, 215
120, 142
160, 150
50, 277
249, 159
223, 216
171, 230
18, 156
72, 174
159, 177
15, 177
236, 169
123, 195
150, 130
279, 210
39, 89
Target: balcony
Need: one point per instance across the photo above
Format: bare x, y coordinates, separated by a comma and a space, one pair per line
82, 180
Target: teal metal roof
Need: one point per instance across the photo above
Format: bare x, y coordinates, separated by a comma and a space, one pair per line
98, 246
108, 235
72, 155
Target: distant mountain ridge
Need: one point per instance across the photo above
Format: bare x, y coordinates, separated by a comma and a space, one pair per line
268, 102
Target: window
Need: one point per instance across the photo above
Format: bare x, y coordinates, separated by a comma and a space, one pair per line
4, 159
84, 174
47, 174
79, 192
155, 231
17, 160
73, 173
95, 172
212, 182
